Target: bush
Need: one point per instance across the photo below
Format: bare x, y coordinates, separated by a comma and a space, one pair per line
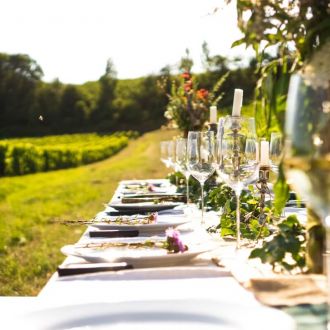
31, 155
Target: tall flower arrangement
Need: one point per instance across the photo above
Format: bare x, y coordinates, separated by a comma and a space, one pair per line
188, 106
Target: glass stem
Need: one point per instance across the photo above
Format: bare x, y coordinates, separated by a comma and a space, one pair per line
202, 187
238, 220
187, 183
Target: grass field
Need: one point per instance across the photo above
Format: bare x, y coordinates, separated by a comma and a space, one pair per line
30, 206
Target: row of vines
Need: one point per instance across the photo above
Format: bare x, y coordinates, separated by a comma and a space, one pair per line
31, 155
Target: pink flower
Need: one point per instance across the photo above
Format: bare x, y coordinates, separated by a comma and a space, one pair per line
153, 217
151, 187
174, 241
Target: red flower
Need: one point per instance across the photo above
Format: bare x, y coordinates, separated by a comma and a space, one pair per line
202, 94
185, 75
188, 86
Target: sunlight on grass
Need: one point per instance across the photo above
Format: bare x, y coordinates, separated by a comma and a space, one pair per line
31, 206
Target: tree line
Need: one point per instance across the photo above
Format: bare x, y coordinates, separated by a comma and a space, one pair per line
29, 106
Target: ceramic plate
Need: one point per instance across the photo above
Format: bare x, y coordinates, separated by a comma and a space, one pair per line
190, 314
163, 222
138, 257
143, 207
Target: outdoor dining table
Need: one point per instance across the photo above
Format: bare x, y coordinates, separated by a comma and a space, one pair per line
165, 296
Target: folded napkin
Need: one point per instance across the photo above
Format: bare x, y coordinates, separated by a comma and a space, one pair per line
289, 290
271, 288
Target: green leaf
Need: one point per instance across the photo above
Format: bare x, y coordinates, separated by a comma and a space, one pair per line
281, 190
227, 232
256, 253
237, 43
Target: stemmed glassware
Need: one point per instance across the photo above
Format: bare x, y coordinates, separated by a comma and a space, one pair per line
237, 157
181, 161
307, 145
201, 158
164, 153
167, 154
275, 150
171, 155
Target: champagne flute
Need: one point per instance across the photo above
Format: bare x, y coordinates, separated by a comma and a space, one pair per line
307, 146
201, 158
237, 158
164, 153
171, 155
275, 151
181, 161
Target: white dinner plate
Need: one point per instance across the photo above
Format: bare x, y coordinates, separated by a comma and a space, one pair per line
156, 314
138, 257
163, 222
144, 207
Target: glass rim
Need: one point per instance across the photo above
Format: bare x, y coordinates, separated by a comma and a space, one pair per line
200, 132
237, 118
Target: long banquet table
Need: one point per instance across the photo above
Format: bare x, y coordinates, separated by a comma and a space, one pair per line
192, 287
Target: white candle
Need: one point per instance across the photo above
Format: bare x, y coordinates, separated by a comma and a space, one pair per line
213, 114
264, 153
237, 103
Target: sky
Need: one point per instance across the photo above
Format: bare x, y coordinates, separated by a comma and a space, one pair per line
72, 39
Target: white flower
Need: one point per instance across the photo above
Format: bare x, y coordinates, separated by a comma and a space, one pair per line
317, 72
168, 115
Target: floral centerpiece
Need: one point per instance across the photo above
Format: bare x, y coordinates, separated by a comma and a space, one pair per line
188, 105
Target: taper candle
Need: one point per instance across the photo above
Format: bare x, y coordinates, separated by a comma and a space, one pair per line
264, 153
237, 103
213, 114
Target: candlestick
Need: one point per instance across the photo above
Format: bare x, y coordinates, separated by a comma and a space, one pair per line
264, 153
213, 114
263, 189
237, 103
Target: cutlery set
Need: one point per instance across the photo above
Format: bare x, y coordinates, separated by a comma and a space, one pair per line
79, 269
115, 232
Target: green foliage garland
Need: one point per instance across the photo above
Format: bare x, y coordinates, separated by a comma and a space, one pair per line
287, 248
223, 197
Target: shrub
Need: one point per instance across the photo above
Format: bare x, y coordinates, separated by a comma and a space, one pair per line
31, 155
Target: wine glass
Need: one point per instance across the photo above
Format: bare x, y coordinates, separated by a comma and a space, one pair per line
237, 158
181, 161
201, 158
275, 150
164, 153
307, 145
171, 154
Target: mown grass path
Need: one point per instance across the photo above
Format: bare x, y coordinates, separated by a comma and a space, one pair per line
31, 206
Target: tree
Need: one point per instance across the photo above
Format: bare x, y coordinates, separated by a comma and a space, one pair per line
48, 101
19, 78
105, 111
186, 63
74, 107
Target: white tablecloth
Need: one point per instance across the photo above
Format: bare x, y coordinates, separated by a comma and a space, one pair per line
196, 282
